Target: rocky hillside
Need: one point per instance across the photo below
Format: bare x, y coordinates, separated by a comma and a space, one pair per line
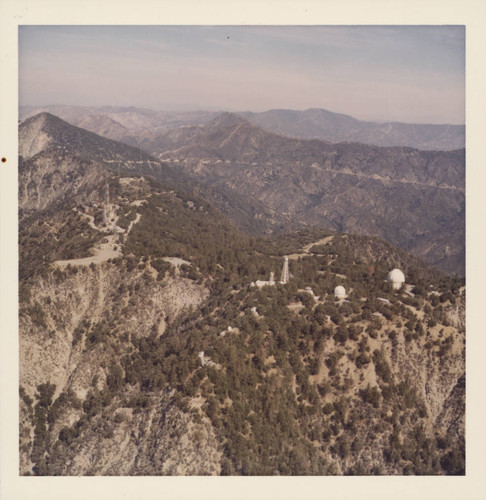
72, 337
414, 199
46, 132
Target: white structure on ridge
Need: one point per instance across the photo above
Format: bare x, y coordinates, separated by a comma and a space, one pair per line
107, 204
396, 278
309, 290
260, 283
284, 279
205, 360
340, 292
224, 332
271, 280
201, 357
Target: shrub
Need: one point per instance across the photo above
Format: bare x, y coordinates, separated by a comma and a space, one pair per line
371, 395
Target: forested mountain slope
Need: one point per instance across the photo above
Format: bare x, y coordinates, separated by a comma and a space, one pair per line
145, 349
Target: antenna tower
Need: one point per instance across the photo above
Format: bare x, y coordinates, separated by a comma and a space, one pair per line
285, 272
107, 203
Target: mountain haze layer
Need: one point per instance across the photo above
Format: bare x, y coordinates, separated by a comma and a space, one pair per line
130, 125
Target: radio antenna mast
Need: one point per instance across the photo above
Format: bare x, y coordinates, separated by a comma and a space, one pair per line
107, 203
284, 279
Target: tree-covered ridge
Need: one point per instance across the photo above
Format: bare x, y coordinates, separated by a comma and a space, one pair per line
174, 224
296, 382
290, 393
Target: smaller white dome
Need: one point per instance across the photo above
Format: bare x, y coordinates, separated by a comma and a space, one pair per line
340, 292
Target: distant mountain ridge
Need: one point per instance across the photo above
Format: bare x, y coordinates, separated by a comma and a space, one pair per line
56, 153
144, 124
231, 137
336, 127
47, 131
411, 198
134, 120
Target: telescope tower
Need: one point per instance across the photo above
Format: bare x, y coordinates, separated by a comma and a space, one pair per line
284, 279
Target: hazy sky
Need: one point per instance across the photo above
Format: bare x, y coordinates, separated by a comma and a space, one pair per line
403, 73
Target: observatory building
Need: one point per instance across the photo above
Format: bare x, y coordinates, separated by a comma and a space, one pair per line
396, 278
340, 292
270, 282
284, 279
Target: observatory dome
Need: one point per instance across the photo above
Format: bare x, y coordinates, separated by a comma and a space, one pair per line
396, 278
340, 292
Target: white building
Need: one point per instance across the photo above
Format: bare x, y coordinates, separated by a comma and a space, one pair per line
271, 281
206, 361
202, 358
340, 292
396, 278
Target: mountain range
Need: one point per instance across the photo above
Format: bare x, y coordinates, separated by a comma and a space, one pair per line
337, 127
146, 348
135, 125
45, 139
414, 199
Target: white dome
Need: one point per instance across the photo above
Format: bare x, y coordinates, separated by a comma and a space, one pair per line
340, 292
396, 276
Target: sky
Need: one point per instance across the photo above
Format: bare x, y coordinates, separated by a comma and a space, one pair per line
412, 74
